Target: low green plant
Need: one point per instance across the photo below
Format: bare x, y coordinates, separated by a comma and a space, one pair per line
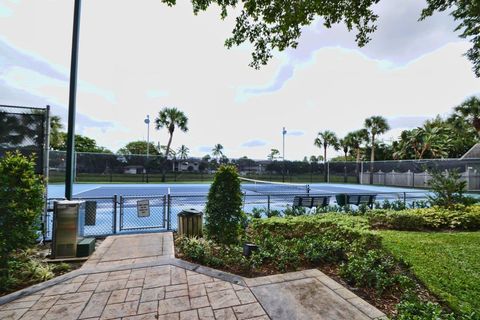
224, 219
458, 217
291, 211
25, 269
374, 269
21, 206
413, 308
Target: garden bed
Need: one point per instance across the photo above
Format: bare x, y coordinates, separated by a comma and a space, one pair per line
29, 267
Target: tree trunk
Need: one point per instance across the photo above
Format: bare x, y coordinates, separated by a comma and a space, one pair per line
372, 158
325, 162
357, 165
167, 151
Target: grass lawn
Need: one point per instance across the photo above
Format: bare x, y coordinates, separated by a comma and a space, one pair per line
447, 263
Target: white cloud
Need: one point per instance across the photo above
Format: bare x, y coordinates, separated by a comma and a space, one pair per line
150, 56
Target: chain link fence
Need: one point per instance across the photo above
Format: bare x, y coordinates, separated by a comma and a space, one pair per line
25, 130
107, 168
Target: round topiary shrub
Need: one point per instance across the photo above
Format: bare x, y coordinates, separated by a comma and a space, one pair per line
223, 214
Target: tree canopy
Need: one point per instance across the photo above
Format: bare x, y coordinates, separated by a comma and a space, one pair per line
277, 24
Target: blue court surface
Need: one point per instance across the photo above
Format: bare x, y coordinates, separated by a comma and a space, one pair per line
109, 190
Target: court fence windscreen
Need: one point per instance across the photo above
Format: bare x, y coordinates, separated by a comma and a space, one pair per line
107, 168
26, 130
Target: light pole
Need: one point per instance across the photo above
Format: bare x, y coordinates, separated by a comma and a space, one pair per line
69, 172
147, 122
284, 132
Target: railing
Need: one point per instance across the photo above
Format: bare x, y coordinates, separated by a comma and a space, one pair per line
103, 216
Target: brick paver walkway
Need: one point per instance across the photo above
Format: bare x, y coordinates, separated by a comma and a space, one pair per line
137, 277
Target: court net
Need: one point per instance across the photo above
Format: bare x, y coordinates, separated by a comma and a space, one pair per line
271, 187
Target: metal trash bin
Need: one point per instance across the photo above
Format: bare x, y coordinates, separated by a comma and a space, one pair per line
190, 223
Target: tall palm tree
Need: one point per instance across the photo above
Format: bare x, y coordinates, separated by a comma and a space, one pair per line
217, 151
326, 139
375, 125
470, 110
170, 118
183, 152
357, 138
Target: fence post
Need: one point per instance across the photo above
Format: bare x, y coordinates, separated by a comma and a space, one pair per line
114, 224
268, 204
164, 210
168, 211
405, 199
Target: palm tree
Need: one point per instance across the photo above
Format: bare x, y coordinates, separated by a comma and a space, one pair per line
357, 138
470, 110
56, 127
170, 118
274, 153
375, 125
217, 151
325, 139
183, 152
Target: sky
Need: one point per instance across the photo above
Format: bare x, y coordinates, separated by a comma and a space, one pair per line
137, 57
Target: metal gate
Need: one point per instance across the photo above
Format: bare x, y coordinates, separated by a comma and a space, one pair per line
144, 212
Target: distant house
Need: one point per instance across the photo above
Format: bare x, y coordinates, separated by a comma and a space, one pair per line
187, 166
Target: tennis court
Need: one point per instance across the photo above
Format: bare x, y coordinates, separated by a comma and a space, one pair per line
114, 208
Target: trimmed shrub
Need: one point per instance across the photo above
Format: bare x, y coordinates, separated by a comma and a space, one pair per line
374, 269
456, 218
223, 214
448, 190
21, 205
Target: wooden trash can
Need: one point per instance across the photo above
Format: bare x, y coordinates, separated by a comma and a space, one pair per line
190, 223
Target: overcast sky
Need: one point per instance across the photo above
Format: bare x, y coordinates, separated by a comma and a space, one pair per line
137, 57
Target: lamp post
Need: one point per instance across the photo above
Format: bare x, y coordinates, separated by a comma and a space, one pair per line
147, 122
69, 172
284, 132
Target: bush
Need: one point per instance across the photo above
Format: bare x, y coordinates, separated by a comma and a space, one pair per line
457, 217
21, 205
223, 214
25, 269
374, 269
448, 189
413, 308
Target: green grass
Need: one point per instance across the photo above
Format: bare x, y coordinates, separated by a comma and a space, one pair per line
447, 263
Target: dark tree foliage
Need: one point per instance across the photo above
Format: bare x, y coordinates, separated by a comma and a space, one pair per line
277, 24
223, 214
467, 12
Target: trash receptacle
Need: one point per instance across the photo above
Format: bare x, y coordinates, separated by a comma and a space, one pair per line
190, 223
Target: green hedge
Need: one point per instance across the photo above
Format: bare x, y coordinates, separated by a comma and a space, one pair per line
436, 218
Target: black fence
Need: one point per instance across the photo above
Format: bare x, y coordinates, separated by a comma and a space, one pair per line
105, 168
25, 130
103, 216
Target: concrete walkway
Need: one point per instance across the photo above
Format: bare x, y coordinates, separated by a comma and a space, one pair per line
135, 277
